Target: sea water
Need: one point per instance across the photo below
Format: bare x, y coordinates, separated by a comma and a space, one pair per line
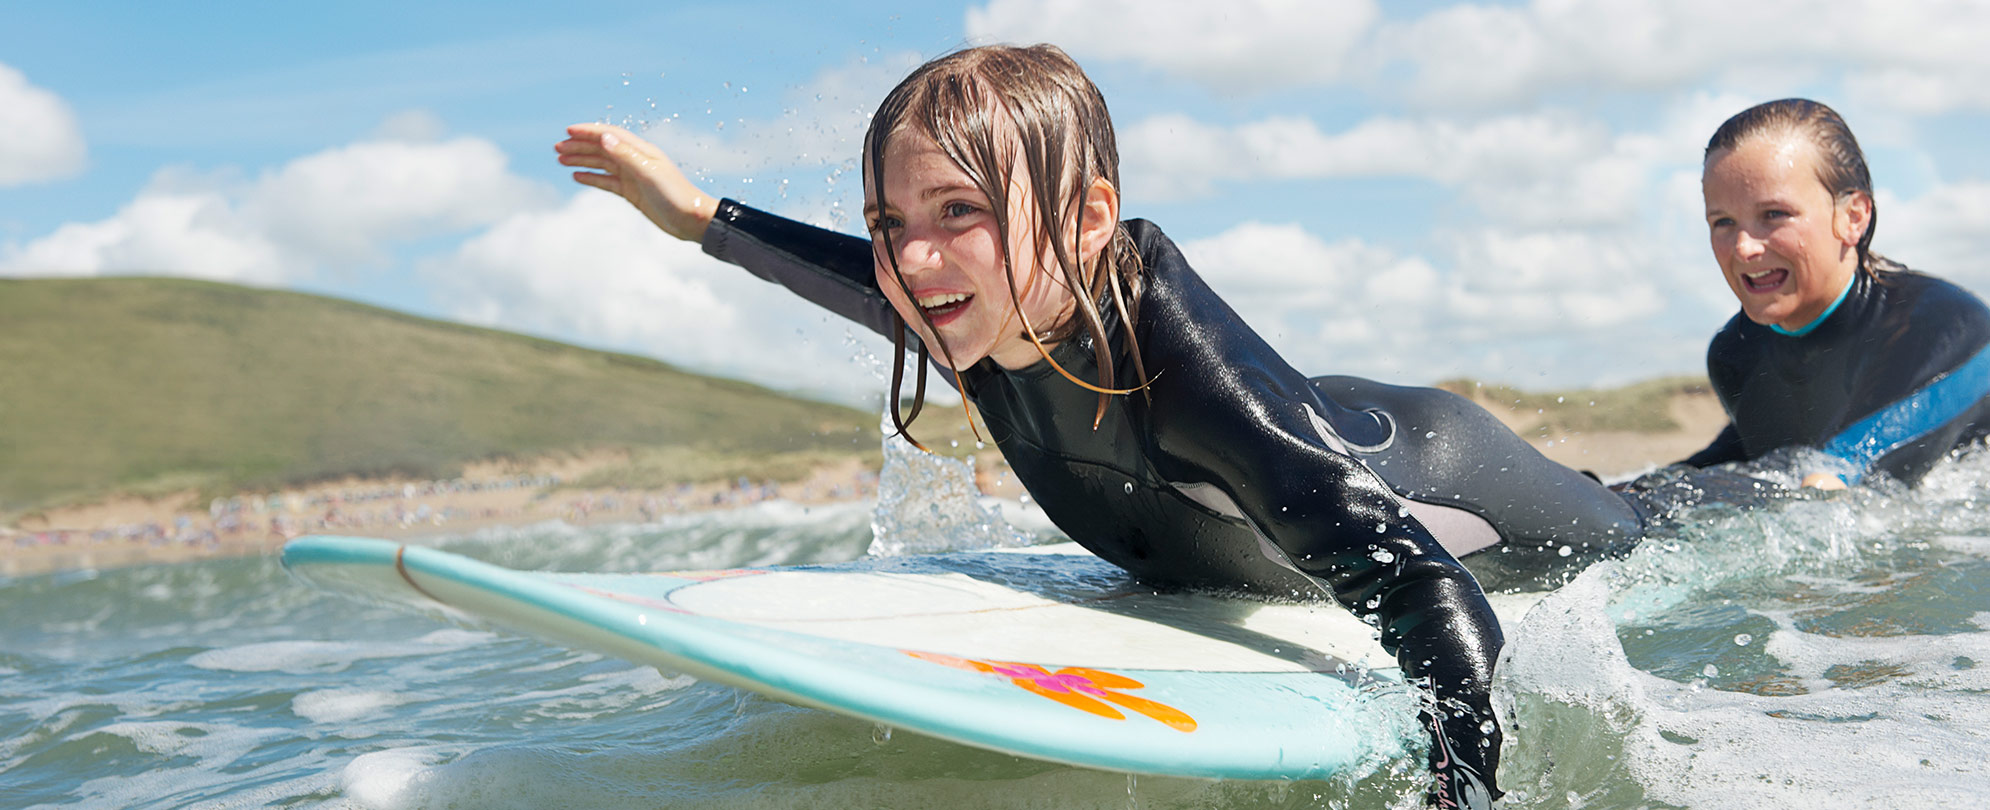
1825, 652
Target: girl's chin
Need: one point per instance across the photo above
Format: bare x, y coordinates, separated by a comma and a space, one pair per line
1769, 315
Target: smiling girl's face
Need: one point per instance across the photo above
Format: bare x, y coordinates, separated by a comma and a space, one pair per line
1785, 245
949, 251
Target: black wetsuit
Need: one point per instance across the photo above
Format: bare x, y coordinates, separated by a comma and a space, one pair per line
1890, 381
1233, 470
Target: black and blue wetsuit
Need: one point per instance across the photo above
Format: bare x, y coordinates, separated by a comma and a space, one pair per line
1890, 380
1232, 470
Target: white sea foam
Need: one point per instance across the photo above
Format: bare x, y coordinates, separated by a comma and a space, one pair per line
1856, 697
389, 780
342, 705
196, 757
329, 656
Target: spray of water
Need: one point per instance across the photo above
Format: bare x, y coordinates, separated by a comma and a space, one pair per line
928, 502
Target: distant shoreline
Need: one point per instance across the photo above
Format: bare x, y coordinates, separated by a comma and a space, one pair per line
129, 530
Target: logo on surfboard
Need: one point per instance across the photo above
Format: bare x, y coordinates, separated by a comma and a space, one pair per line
1087, 690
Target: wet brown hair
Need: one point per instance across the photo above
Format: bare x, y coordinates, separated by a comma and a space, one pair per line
1842, 168
996, 110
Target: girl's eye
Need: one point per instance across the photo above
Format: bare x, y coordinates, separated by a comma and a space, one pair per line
884, 223
1775, 213
957, 209
1721, 222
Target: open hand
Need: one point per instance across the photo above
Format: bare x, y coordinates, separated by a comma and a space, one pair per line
642, 174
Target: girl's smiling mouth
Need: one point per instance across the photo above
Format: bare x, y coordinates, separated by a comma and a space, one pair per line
943, 307
1765, 280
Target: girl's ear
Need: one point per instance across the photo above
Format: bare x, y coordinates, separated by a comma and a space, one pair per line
1851, 217
1098, 219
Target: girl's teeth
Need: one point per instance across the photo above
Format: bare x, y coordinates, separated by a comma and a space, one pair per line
932, 301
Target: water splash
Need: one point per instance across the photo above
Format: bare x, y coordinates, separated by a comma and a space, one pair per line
1820, 653
928, 502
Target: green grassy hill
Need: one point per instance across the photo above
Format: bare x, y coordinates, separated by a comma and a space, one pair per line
149, 386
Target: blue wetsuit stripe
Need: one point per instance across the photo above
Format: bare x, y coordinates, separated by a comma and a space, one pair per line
1913, 416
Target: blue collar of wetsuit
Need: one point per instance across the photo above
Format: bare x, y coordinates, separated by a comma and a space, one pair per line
1812, 326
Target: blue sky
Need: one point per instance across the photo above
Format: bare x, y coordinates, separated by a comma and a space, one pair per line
1408, 192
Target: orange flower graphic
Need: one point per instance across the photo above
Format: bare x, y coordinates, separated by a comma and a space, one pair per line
1080, 688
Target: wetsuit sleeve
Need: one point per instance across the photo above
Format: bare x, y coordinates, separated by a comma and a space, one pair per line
1948, 388
1227, 411
1339, 523
1911, 461
832, 270
1725, 447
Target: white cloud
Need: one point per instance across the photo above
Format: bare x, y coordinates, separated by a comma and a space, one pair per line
162, 232
1945, 231
331, 210
39, 137
596, 272
823, 125
1524, 306
1533, 169
343, 205
1491, 56
1926, 57
1244, 44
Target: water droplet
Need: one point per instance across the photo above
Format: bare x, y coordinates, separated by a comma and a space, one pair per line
880, 734
1488, 727
1129, 487
1383, 555
1403, 512
1743, 640
1381, 527
1430, 435
1564, 551
1710, 671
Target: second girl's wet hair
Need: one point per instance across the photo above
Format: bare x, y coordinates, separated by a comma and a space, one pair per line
1842, 165
996, 110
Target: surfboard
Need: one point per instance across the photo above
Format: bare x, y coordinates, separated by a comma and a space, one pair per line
1045, 652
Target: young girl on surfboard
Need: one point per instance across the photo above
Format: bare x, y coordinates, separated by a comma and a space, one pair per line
1149, 422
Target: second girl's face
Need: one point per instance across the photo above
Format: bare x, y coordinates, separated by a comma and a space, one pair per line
1785, 246
949, 252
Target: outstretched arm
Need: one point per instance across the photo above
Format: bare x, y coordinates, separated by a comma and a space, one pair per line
830, 269
641, 173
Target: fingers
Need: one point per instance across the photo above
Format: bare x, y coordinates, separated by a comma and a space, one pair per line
605, 182
586, 161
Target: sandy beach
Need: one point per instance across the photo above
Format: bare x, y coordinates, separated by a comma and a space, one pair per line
133, 531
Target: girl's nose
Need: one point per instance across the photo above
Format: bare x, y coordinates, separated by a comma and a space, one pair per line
917, 251
1747, 247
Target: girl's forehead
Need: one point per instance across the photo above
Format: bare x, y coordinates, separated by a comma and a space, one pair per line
1764, 161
